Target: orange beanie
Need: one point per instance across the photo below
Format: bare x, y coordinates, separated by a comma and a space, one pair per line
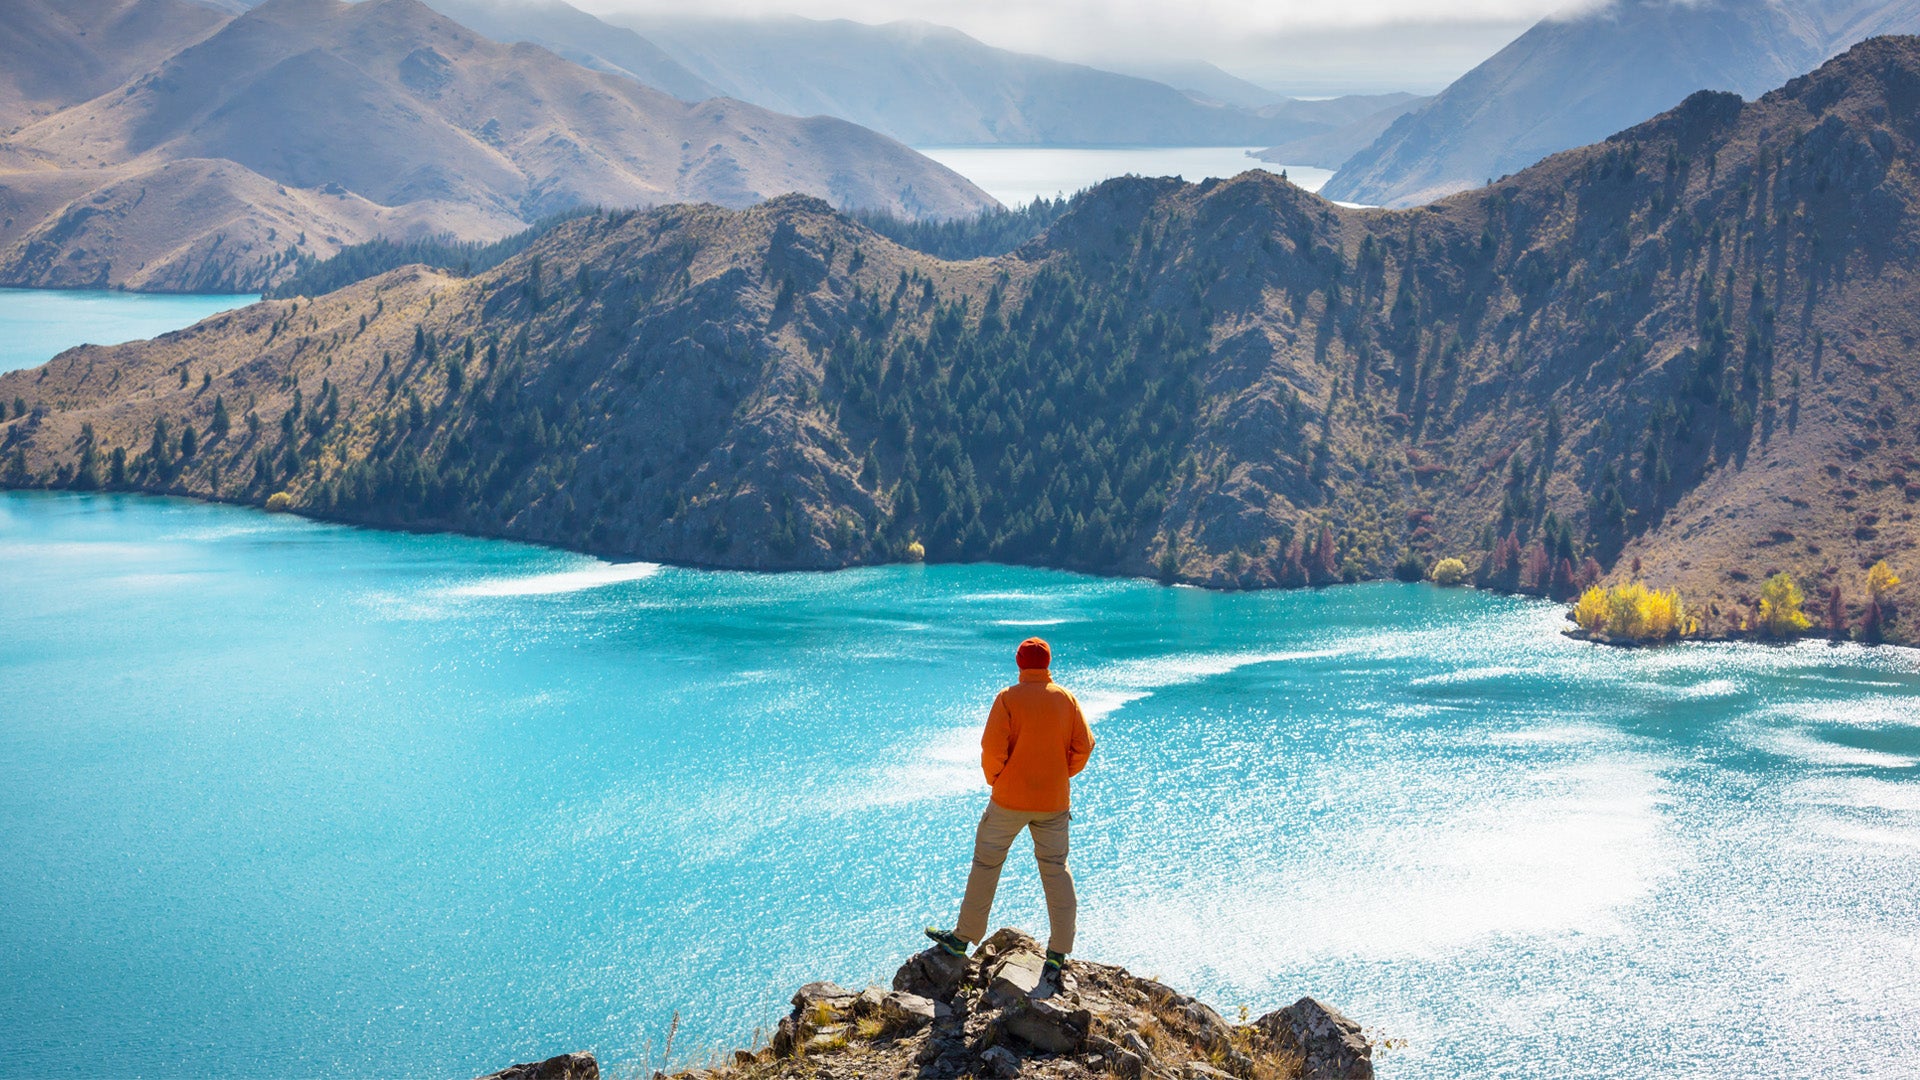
1033, 653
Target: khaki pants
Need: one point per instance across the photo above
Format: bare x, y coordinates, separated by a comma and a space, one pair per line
998, 828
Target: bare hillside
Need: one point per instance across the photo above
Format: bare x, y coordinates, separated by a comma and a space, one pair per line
382, 116
56, 54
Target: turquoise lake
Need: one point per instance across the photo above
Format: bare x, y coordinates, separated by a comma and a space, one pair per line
36, 324
293, 799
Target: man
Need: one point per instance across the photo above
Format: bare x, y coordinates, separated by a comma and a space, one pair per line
1036, 739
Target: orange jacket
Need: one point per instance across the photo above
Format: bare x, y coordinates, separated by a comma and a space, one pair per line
1035, 739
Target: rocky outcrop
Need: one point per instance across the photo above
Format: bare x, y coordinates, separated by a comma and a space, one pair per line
559, 1067
1327, 1043
998, 1013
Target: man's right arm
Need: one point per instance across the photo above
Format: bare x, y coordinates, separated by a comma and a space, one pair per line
996, 743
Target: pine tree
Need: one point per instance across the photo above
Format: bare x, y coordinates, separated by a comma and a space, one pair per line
1326, 561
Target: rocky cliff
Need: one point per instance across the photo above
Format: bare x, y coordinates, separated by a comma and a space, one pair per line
998, 1014
1685, 353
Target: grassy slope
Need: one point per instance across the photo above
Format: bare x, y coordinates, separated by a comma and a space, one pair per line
1689, 345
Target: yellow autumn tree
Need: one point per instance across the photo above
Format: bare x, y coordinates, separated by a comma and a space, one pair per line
1590, 611
1630, 612
1449, 572
1881, 581
1780, 603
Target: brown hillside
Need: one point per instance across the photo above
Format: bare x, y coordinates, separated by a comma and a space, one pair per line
56, 54
428, 124
1690, 345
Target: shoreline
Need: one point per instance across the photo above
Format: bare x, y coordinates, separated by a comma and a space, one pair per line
1573, 633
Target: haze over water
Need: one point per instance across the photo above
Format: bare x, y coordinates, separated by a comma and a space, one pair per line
285, 798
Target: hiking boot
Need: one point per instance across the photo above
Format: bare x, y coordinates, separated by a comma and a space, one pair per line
1056, 961
951, 943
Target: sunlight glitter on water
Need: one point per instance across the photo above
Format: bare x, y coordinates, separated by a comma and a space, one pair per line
429, 801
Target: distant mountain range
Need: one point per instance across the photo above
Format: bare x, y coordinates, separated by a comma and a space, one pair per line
1577, 78
303, 125
923, 84
1684, 352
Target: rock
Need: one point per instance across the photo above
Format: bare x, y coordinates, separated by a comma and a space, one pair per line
1015, 976
1330, 1046
824, 1000
1213, 1030
786, 1037
934, 974
1161, 994
1047, 1026
953, 1061
869, 1001
909, 1012
561, 1067
1001, 1062
1005, 1017
1006, 940
817, 1022
830, 1037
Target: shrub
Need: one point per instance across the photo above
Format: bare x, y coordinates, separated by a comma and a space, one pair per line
1449, 572
916, 551
1411, 567
1780, 607
1631, 612
279, 502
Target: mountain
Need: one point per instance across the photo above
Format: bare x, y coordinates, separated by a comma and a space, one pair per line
53, 55
1208, 82
1685, 353
1345, 126
930, 85
384, 115
1574, 79
581, 38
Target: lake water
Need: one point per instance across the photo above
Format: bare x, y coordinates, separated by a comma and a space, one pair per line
1016, 175
285, 798
36, 324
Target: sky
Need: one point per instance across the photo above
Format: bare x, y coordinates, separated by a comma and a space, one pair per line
1296, 46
